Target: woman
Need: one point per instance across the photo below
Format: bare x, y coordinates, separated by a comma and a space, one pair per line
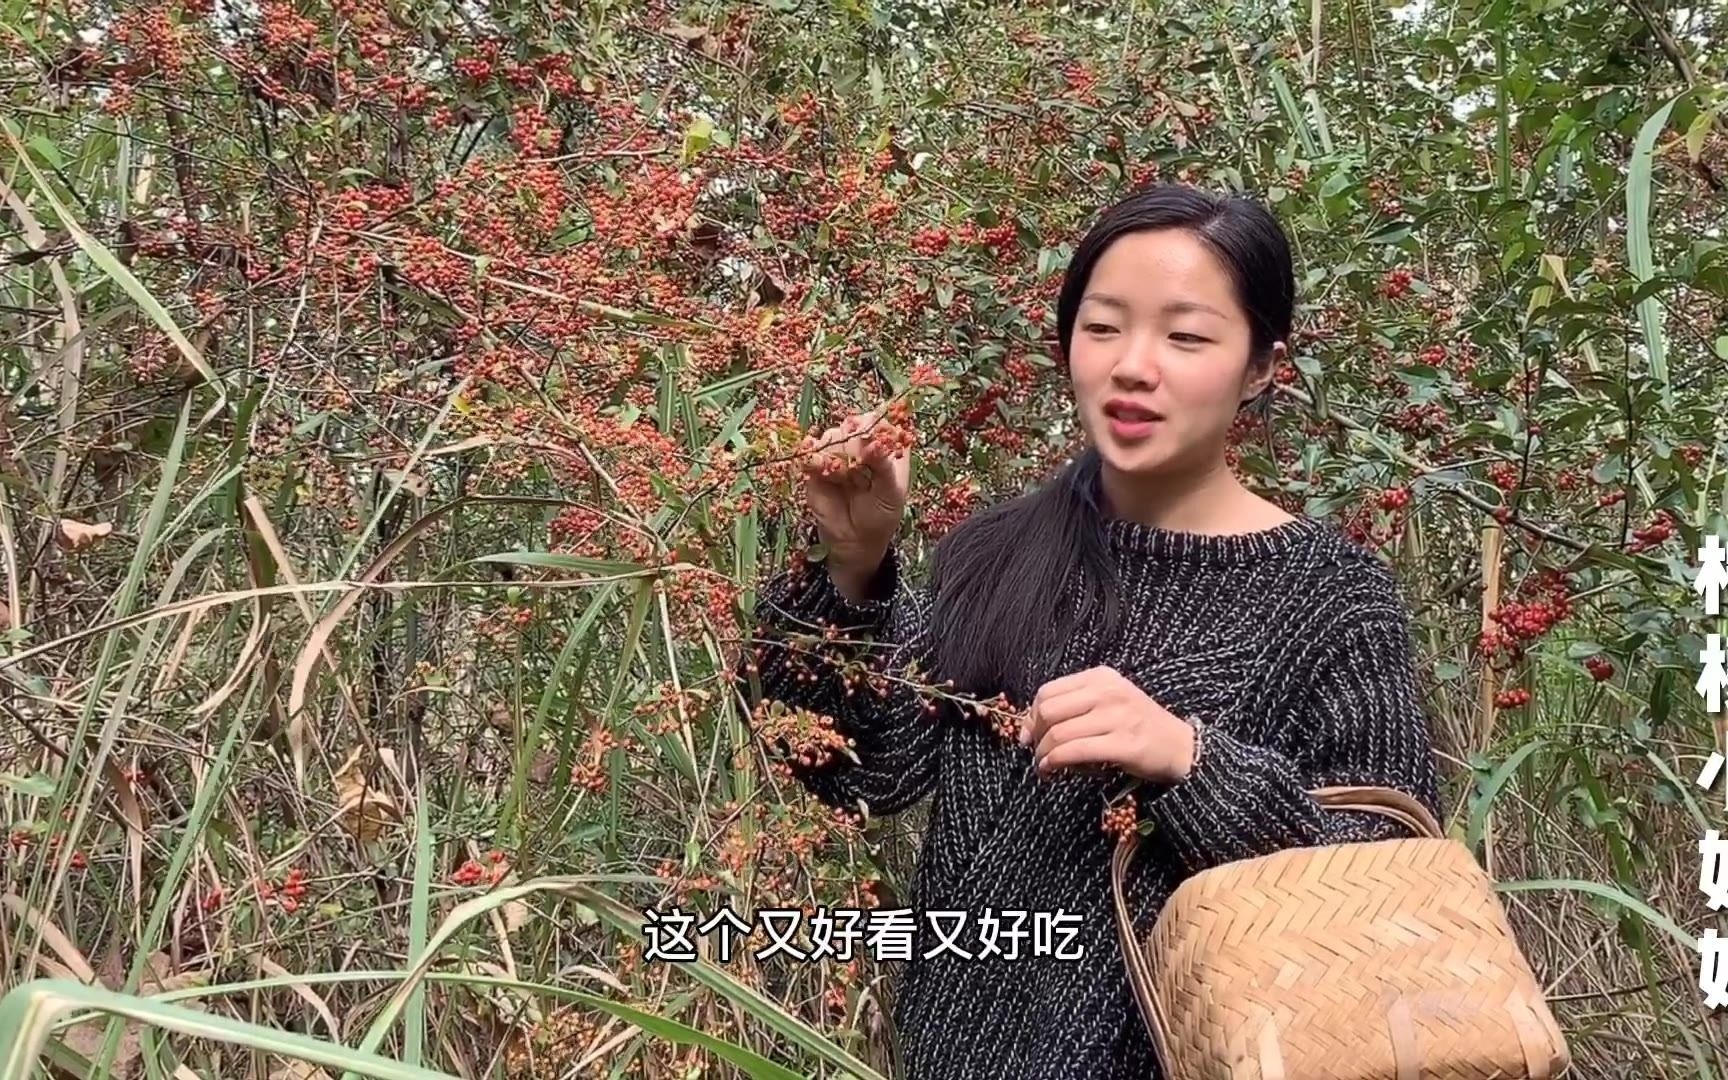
1157, 624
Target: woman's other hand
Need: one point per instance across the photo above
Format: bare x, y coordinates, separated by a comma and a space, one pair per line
855, 484
1098, 717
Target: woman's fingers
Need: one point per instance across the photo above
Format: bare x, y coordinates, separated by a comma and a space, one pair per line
1096, 750
1082, 727
1051, 709
850, 450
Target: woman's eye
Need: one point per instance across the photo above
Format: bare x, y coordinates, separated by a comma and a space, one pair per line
1194, 339
1100, 328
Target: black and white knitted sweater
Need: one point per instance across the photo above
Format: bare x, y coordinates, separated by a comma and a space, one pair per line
1290, 644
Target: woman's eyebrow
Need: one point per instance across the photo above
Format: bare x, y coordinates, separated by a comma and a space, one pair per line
1106, 300
1174, 307
1177, 307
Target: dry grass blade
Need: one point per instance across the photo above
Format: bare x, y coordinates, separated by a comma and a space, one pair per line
70, 334
266, 530
133, 815
306, 993
51, 934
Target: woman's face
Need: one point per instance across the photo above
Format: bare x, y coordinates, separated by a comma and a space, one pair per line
1159, 356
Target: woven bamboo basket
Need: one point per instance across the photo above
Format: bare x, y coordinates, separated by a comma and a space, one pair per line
1384, 960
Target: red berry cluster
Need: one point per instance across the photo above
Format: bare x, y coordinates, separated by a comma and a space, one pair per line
1081, 80
591, 774
800, 112
685, 887
1120, 820
1600, 667
1382, 193
293, 890
1395, 498
1661, 527
925, 373
1504, 475
1691, 455
1512, 699
1395, 284
1519, 622
472, 873
952, 505
1419, 421
800, 737
931, 241
980, 411
1434, 355
1002, 239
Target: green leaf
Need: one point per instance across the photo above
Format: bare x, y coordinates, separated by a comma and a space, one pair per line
1490, 790
419, 907
1639, 258
47, 151
1699, 130
698, 137
31, 1012
36, 786
1617, 897
555, 561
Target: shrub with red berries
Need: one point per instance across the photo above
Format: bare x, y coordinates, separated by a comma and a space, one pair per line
508, 323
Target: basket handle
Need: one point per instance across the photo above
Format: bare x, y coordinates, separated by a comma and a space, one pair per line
1403, 808
1390, 802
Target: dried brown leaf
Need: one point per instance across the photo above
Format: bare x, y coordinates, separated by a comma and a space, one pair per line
361, 809
79, 535
87, 1039
411, 483
696, 37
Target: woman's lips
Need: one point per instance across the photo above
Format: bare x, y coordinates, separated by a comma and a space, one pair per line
1129, 421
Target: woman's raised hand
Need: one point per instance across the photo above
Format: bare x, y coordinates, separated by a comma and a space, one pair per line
855, 483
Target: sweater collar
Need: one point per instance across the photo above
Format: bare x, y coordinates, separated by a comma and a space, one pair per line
1131, 538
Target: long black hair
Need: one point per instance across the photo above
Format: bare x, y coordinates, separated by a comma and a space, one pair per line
1001, 578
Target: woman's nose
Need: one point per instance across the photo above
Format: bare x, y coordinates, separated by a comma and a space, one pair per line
1138, 362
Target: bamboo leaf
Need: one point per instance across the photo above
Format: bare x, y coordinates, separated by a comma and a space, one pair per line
1639, 257
1607, 892
29, 1013
1484, 801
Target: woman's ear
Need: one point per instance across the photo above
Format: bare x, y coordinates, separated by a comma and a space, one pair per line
1260, 375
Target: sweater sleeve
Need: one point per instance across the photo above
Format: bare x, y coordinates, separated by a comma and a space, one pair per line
1361, 723
858, 663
